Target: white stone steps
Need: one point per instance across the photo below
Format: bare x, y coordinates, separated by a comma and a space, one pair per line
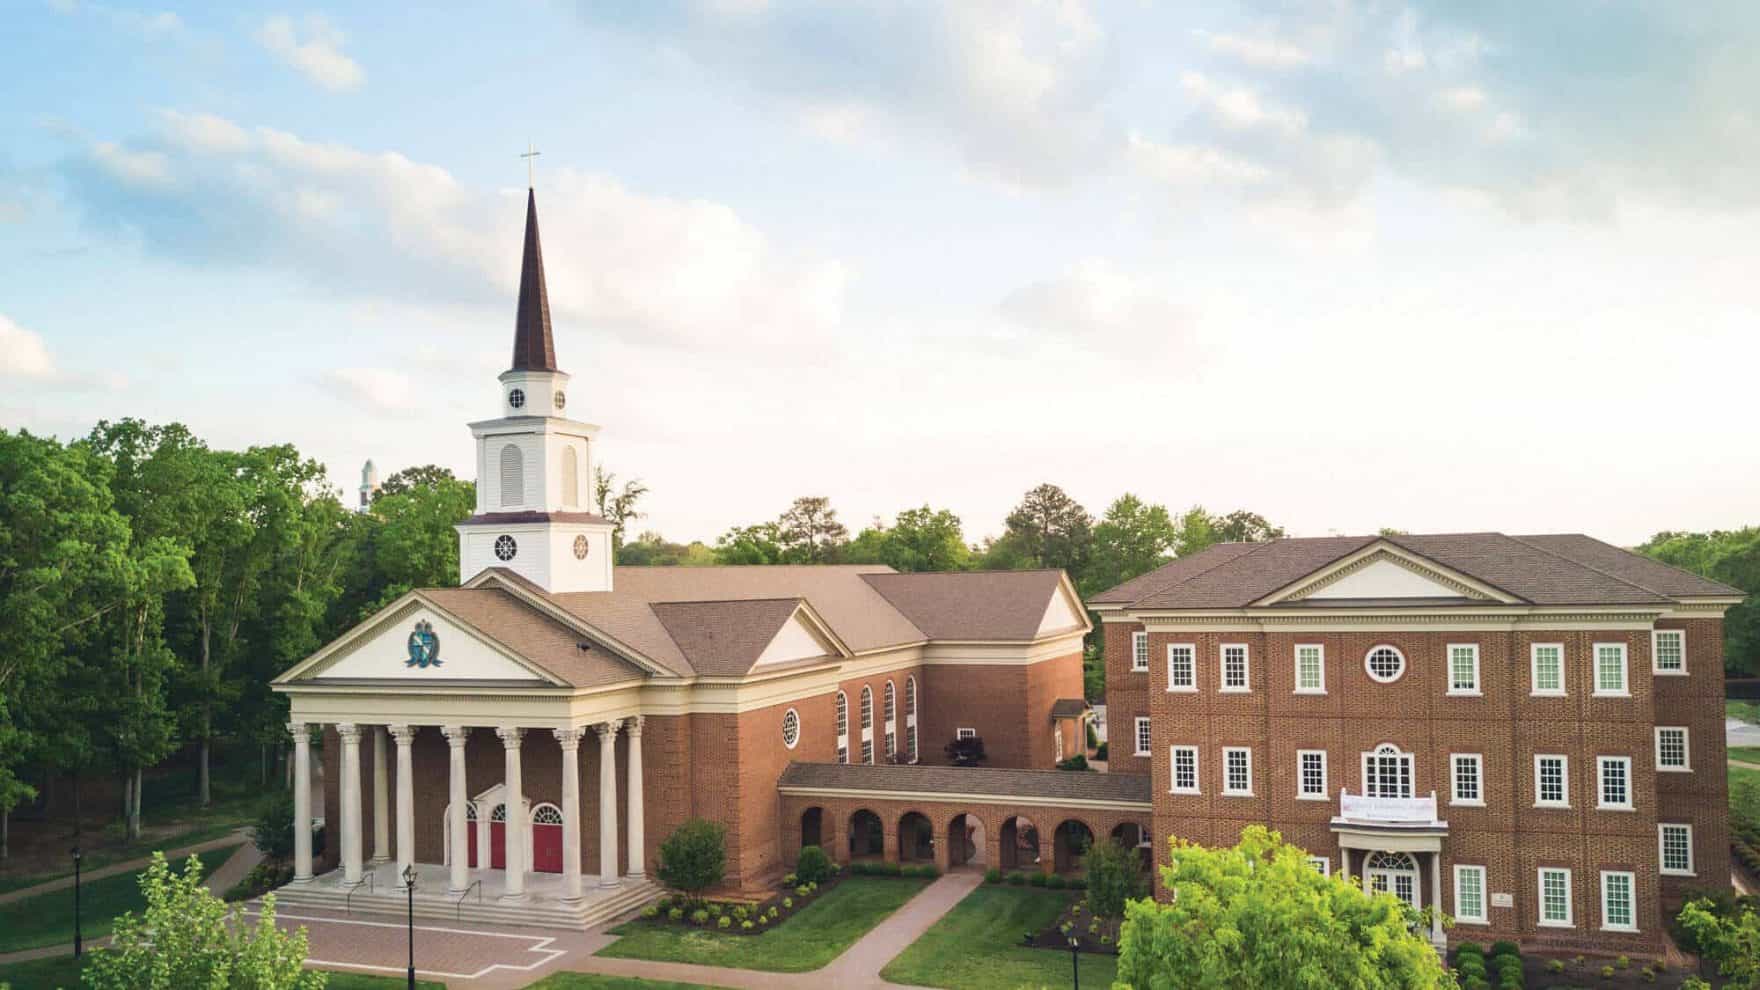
591, 911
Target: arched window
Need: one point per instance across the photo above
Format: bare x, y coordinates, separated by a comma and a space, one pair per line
867, 708
1387, 772
890, 709
571, 477
499, 814
546, 814
910, 697
910, 719
513, 476
842, 718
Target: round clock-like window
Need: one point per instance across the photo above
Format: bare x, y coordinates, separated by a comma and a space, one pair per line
561, 400
581, 546
516, 398
791, 728
505, 547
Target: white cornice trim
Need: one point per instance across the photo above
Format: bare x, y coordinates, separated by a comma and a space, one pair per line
935, 797
390, 615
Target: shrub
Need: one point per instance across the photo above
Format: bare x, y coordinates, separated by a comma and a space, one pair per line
1555, 966
700, 916
724, 922
774, 914
747, 925
1505, 949
1100, 751
1038, 880
741, 913
1055, 881
813, 865
273, 832
993, 875
1469, 949
1623, 962
790, 879
1470, 966
803, 890
788, 904
1076, 762
651, 912
1607, 972
714, 910
1475, 983
1016, 878
675, 914
1647, 974
1078, 883
694, 857
1114, 876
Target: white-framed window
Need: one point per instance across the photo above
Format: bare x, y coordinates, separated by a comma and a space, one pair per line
1468, 770
842, 720
1139, 651
1184, 763
1469, 895
1321, 865
1385, 664
1310, 668
964, 733
1619, 910
1551, 771
889, 709
791, 728
1182, 667
867, 720
1142, 736
1387, 772
1234, 667
910, 718
1675, 849
892, 744
1668, 652
1555, 897
1615, 776
1610, 669
1311, 775
1463, 668
867, 749
1547, 661
1237, 771
1672, 752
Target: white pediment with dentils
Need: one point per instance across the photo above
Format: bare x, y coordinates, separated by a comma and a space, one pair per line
798, 639
1385, 571
380, 650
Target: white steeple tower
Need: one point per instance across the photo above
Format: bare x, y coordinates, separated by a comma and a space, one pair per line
534, 466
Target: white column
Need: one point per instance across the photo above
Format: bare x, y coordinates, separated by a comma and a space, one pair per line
351, 803
302, 802
406, 797
1436, 897
458, 851
571, 812
381, 798
515, 830
607, 803
638, 851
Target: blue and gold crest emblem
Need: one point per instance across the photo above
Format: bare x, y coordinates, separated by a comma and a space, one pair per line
424, 646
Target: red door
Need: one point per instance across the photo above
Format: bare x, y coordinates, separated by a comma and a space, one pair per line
546, 848
497, 845
470, 843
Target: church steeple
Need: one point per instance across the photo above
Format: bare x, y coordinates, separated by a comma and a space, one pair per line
533, 347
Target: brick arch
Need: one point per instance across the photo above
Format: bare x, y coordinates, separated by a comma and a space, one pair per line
867, 834
1022, 842
1068, 846
966, 837
815, 827
916, 837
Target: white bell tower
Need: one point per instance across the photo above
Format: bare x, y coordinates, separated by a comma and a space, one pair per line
534, 465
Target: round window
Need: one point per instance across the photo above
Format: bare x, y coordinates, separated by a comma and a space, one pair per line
505, 547
1385, 664
791, 728
581, 546
561, 400
516, 398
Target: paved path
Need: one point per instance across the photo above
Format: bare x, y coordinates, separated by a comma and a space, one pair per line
1739, 733
1744, 765
132, 866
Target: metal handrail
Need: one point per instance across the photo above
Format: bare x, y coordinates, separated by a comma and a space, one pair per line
367, 882
458, 905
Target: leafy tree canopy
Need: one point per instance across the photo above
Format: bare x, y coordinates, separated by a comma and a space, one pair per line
1730, 556
921, 539
810, 533
411, 478
1133, 537
759, 544
1050, 529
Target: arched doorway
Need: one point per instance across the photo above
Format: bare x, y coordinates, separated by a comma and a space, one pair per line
867, 836
1393, 873
1019, 838
813, 827
916, 838
1070, 845
965, 841
498, 837
547, 827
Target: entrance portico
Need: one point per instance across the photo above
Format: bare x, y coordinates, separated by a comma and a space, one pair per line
1386, 840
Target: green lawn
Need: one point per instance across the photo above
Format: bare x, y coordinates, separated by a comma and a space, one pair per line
1742, 773
62, 973
977, 946
339, 980
1747, 711
47, 919
1747, 754
593, 981
809, 940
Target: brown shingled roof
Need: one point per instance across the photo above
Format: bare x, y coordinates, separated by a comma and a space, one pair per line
996, 605
1026, 785
534, 636
724, 638
1644, 571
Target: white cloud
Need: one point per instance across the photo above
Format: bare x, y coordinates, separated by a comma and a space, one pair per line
1264, 53
1192, 165
318, 57
134, 167
1103, 306
23, 353
1239, 107
1464, 98
1399, 61
381, 388
204, 131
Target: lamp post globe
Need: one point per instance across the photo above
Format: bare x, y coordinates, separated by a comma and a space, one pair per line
1075, 949
409, 887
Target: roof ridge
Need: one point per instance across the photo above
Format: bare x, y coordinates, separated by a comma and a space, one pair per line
1395, 540
729, 601
1590, 567
1158, 589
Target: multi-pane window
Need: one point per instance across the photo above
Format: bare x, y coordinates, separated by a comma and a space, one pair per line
1387, 773
1548, 663
791, 728
867, 708
842, 719
1469, 777
1237, 770
1142, 736
867, 749
1668, 651
1615, 773
888, 703
1185, 769
891, 744
1385, 664
1671, 748
910, 719
1234, 667
1469, 894
1139, 651
1321, 865
1310, 668
1311, 774
1676, 849
1617, 910
1182, 667
1549, 778
1610, 668
1555, 897
965, 733
1463, 668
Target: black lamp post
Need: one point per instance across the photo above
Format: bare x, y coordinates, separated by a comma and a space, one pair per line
1075, 948
78, 942
409, 885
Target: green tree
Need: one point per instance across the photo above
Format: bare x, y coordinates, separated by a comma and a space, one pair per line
1730, 556
1133, 537
410, 478
1115, 875
809, 532
617, 504
1731, 939
694, 857
188, 939
1199, 530
922, 539
414, 545
652, 550
1257, 915
758, 544
1050, 529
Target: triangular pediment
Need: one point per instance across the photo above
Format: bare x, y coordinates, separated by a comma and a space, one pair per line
1064, 611
1384, 572
799, 638
414, 640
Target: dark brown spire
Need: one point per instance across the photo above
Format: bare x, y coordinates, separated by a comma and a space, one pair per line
533, 350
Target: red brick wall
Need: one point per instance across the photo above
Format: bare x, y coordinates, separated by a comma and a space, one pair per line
1047, 681
1127, 697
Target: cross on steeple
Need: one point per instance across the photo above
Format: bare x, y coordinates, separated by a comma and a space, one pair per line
529, 154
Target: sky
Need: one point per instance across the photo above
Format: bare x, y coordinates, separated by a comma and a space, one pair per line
1430, 265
